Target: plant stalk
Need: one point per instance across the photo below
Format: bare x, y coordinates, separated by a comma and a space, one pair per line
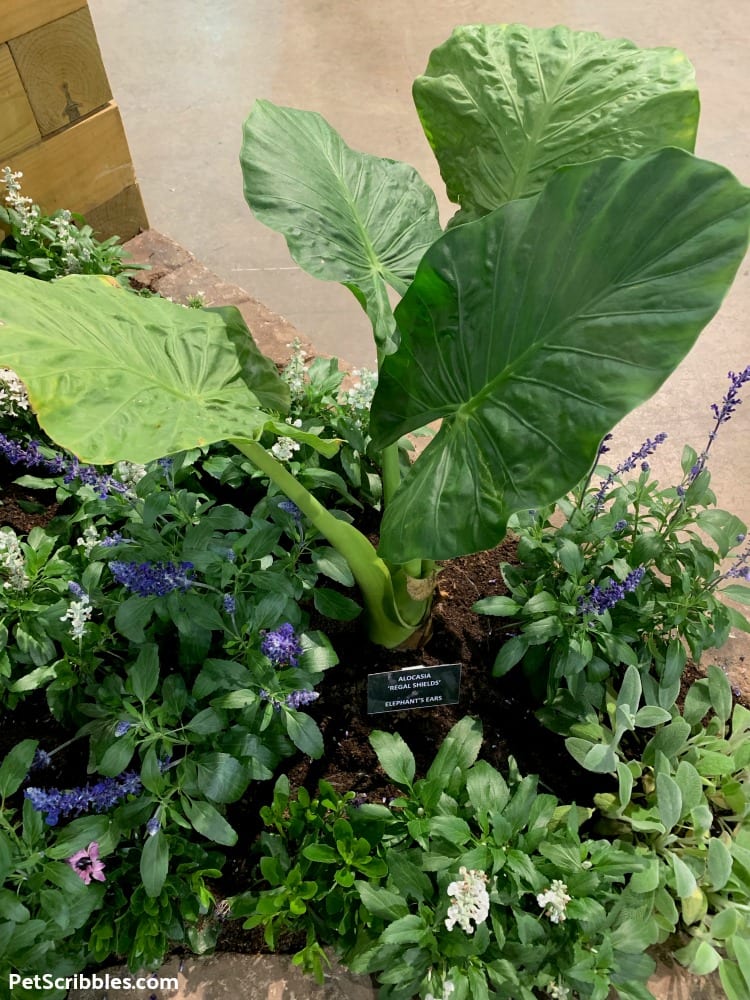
391, 620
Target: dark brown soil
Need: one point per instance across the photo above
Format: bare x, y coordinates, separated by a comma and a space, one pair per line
23, 509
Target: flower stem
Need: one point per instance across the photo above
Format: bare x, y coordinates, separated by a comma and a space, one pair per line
390, 621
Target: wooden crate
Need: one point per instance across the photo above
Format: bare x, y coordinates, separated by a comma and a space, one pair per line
58, 122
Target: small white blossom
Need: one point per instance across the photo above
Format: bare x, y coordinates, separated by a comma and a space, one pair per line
130, 473
12, 561
448, 990
26, 209
284, 449
470, 900
89, 540
12, 393
557, 991
360, 396
554, 901
78, 614
295, 371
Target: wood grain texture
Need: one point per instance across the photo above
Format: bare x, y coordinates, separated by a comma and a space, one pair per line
17, 124
61, 68
123, 215
19, 16
81, 167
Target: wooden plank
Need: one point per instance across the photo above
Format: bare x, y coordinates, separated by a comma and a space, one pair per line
17, 125
123, 215
19, 16
61, 68
81, 167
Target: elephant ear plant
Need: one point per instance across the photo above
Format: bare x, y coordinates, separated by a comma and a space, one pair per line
598, 249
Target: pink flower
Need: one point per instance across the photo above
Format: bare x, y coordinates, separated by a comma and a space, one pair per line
86, 864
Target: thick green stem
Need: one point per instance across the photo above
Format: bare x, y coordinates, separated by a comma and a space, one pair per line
390, 620
391, 472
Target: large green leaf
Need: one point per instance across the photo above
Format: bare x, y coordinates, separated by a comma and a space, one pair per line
346, 216
533, 330
112, 375
504, 105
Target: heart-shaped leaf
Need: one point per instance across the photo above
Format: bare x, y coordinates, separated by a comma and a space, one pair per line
532, 331
504, 106
346, 216
113, 376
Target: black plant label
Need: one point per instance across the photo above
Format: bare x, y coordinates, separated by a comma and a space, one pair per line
413, 687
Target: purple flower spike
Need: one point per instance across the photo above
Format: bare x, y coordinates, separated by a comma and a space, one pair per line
152, 579
648, 447
722, 414
99, 797
601, 599
282, 647
298, 699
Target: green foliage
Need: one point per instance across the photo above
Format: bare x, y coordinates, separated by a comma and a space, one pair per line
621, 573
530, 99
374, 218
683, 804
376, 883
50, 246
547, 359
583, 295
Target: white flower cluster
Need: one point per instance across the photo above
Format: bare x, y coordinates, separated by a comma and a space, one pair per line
12, 561
294, 372
557, 991
67, 238
554, 901
78, 614
359, 397
25, 207
130, 473
285, 447
470, 900
448, 990
89, 539
12, 393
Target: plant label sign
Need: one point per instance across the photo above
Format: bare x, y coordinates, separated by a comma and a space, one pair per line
413, 687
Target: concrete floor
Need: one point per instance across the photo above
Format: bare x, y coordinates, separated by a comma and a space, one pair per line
186, 72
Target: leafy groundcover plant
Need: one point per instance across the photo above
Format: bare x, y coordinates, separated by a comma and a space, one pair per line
623, 572
465, 885
594, 255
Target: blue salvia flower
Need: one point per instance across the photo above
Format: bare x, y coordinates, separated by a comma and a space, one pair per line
739, 570
230, 605
111, 540
291, 508
640, 455
98, 797
601, 599
604, 447
122, 727
282, 646
153, 826
620, 525
77, 591
265, 696
41, 760
164, 763
32, 457
722, 414
152, 579
298, 699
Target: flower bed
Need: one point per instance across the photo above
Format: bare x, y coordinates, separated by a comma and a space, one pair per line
222, 534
